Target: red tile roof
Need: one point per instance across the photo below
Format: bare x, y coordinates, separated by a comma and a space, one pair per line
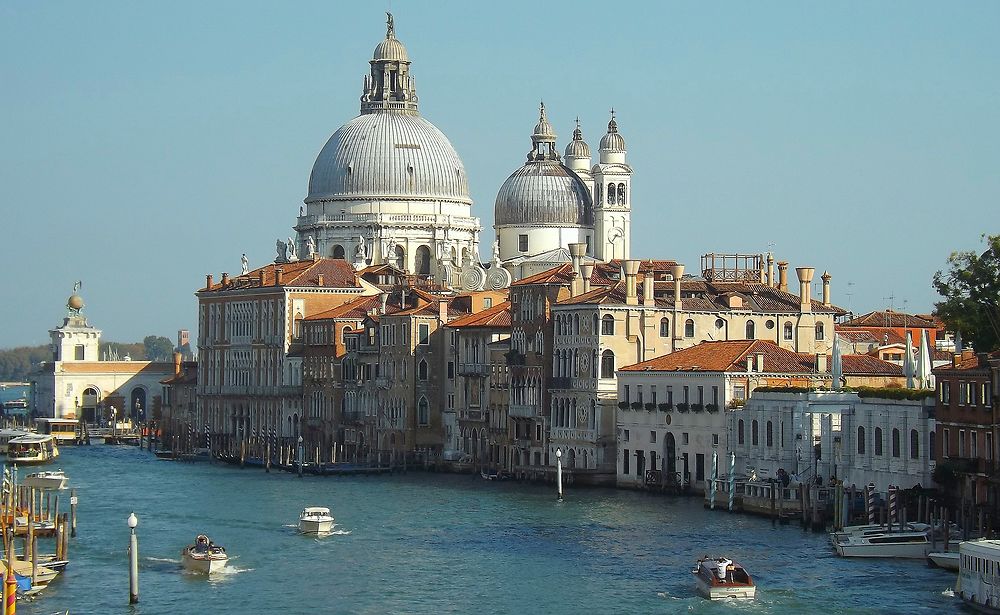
889, 318
336, 272
863, 364
356, 309
728, 356
497, 317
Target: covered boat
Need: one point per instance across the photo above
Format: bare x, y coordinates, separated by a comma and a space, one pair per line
979, 575
718, 578
32, 449
315, 520
906, 545
204, 556
48, 479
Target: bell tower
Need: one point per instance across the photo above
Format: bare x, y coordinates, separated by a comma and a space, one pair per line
612, 197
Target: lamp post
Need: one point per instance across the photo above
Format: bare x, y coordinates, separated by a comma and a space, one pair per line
114, 411
559, 473
133, 560
299, 455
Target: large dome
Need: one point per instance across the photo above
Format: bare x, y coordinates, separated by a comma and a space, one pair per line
544, 193
388, 155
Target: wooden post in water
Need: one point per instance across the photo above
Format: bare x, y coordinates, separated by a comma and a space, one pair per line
72, 512
267, 456
29, 539
59, 539
65, 536
34, 559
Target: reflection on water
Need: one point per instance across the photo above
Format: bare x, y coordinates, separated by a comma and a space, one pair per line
427, 543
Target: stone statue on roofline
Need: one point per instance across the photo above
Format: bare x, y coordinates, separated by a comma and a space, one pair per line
310, 246
244, 264
282, 249
291, 255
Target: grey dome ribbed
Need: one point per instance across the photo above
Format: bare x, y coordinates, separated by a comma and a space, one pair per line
543, 193
386, 155
577, 148
612, 141
391, 49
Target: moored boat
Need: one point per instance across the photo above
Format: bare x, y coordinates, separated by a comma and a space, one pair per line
32, 449
905, 545
872, 530
315, 520
718, 578
204, 556
48, 479
979, 574
943, 559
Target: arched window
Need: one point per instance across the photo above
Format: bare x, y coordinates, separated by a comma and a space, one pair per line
895, 443
819, 331
861, 440
621, 194
751, 330
338, 251
599, 195
930, 445
611, 194
607, 325
399, 260
664, 327
422, 264
915, 444
422, 370
689, 328
770, 434
576, 324
739, 432
878, 442
607, 364
423, 413
754, 433
595, 324
788, 331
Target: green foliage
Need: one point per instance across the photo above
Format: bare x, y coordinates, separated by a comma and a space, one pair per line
158, 348
17, 363
894, 393
971, 291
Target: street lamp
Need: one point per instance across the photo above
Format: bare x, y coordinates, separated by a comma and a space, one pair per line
559, 473
300, 456
133, 560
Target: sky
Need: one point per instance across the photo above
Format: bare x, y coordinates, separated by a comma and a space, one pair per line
144, 145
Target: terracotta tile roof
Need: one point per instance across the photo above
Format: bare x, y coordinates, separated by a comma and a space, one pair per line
356, 309
604, 274
497, 317
187, 375
863, 364
336, 272
862, 335
728, 356
889, 318
115, 367
968, 360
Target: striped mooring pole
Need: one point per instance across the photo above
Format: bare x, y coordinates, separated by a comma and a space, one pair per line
10, 590
893, 507
870, 503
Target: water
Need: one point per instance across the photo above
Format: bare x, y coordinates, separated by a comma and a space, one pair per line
426, 543
12, 392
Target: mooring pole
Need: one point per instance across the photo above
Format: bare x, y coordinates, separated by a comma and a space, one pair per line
133, 560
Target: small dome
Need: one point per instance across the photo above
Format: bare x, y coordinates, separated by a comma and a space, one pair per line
543, 129
392, 50
75, 302
612, 141
543, 193
577, 148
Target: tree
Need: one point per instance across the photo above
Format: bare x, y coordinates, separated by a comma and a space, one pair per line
158, 348
971, 291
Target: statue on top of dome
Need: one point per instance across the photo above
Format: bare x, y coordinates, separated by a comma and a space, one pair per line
390, 25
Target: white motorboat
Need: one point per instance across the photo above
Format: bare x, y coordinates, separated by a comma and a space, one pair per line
906, 545
32, 449
49, 479
718, 578
204, 556
872, 530
943, 559
315, 520
979, 574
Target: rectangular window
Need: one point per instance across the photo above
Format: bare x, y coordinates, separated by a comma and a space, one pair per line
961, 443
670, 394
989, 446
699, 466
624, 461
423, 334
987, 394
715, 439
686, 395
962, 394
701, 395
684, 438
638, 393
624, 435
451, 401
946, 445
538, 432
522, 243
715, 396
652, 393
487, 302
626, 394
78, 352
739, 392
451, 370
973, 442
652, 437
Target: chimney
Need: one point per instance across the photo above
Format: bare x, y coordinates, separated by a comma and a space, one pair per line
576, 251
260, 277
678, 272
225, 279
760, 362
783, 276
443, 310
647, 289
631, 269
770, 270
384, 299
586, 271
208, 281
177, 364
805, 275
279, 278
319, 280
821, 362
826, 288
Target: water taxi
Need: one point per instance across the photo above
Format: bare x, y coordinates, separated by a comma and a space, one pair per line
979, 574
204, 556
718, 578
904, 545
49, 479
315, 520
6, 435
32, 449
63, 430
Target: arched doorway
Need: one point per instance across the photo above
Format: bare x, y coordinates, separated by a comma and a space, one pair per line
422, 260
399, 258
88, 404
670, 456
338, 251
571, 459
137, 405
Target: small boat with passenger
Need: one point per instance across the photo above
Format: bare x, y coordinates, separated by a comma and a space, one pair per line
204, 556
718, 578
32, 449
315, 520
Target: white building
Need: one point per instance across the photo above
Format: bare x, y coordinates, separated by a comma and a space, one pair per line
388, 187
858, 440
77, 384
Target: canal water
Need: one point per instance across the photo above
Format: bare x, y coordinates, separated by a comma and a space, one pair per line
432, 543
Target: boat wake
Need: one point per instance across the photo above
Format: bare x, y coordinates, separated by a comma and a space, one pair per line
950, 593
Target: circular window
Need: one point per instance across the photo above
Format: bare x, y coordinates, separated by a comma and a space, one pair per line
719, 323
769, 324
668, 419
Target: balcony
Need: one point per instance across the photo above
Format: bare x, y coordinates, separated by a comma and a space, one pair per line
567, 435
473, 369
523, 411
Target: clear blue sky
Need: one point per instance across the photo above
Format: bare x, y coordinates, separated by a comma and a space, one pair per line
143, 145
